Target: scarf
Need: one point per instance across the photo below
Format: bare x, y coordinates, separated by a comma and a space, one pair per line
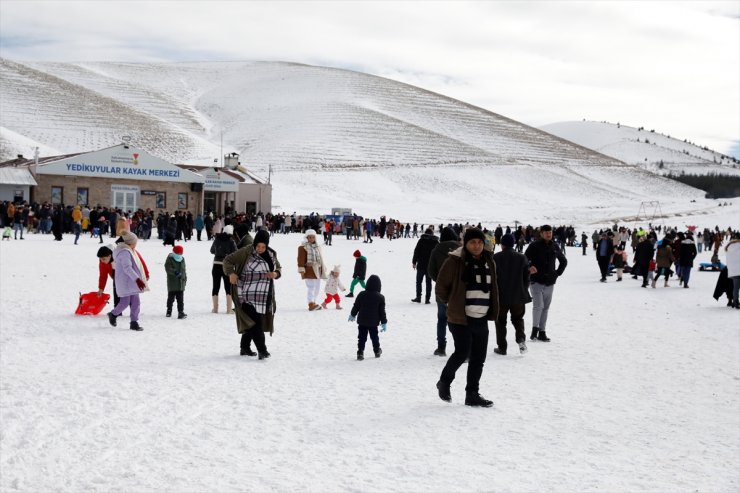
475, 273
315, 259
137, 262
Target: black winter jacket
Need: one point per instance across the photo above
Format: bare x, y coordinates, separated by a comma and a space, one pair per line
222, 246
542, 255
369, 307
438, 257
423, 251
512, 275
360, 268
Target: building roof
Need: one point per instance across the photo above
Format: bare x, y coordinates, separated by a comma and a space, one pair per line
16, 176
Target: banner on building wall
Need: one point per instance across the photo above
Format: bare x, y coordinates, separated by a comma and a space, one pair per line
217, 181
120, 162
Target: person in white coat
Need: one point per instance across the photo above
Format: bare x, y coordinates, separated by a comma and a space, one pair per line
733, 268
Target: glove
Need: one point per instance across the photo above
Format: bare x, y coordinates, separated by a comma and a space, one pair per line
383, 327
351, 318
178, 275
141, 284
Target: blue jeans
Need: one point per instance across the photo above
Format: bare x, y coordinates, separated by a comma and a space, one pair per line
441, 324
685, 274
17, 227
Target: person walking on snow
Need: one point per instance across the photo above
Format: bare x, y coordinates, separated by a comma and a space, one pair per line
369, 309
177, 277
542, 255
311, 268
448, 242
130, 279
358, 276
467, 284
332, 288
420, 262
512, 274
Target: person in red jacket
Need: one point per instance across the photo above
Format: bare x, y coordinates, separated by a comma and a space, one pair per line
105, 267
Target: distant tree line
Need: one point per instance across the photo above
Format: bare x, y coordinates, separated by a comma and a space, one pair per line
716, 185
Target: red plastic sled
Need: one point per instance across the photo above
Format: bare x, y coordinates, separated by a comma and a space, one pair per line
91, 303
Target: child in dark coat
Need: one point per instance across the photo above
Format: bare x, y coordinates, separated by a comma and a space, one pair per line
369, 308
177, 277
358, 276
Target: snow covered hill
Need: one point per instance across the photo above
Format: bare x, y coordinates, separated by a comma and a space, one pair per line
330, 138
647, 149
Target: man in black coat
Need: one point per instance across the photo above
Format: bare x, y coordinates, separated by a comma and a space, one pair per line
604, 252
512, 270
420, 261
542, 255
449, 240
643, 255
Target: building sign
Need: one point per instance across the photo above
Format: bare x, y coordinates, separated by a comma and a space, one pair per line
120, 162
217, 181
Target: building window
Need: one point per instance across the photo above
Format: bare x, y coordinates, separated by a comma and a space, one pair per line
182, 200
82, 194
57, 195
161, 199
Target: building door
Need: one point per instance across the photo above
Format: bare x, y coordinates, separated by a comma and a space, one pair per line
125, 198
251, 208
209, 202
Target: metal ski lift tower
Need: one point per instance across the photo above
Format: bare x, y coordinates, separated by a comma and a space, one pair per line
643, 215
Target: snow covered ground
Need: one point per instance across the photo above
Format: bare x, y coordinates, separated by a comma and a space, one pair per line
639, 389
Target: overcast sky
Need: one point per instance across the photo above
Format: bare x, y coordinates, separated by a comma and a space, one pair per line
669, 65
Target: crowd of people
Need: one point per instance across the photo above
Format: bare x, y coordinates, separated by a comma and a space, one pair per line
477, 275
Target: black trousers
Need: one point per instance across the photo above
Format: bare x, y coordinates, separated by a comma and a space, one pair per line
256, 333
422, 273
217, 273
603, 266
471, 340
362, 333
517, 319
175, 295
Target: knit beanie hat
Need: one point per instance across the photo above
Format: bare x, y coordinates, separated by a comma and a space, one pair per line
448, 234
228, 229
177, 249
129, 238
104, 251
262, 236
357, 254
545, 227
310, 232
428, 231
473, 233
507, 240
337, 269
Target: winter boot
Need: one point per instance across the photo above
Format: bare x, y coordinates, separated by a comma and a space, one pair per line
339, 307
169, 313
350, 295
475, 399
443, 390
416, 300
112, 318
247, 352
535, 332
182, 315
229, 304
500, 351
542, 336
135, 326
666, 283
360, 356
440, 351
522, 347
263, 354
215, 304
378, 353
652, 284
323, 306
427, 302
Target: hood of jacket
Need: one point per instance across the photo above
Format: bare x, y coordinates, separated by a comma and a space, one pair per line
373, 284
